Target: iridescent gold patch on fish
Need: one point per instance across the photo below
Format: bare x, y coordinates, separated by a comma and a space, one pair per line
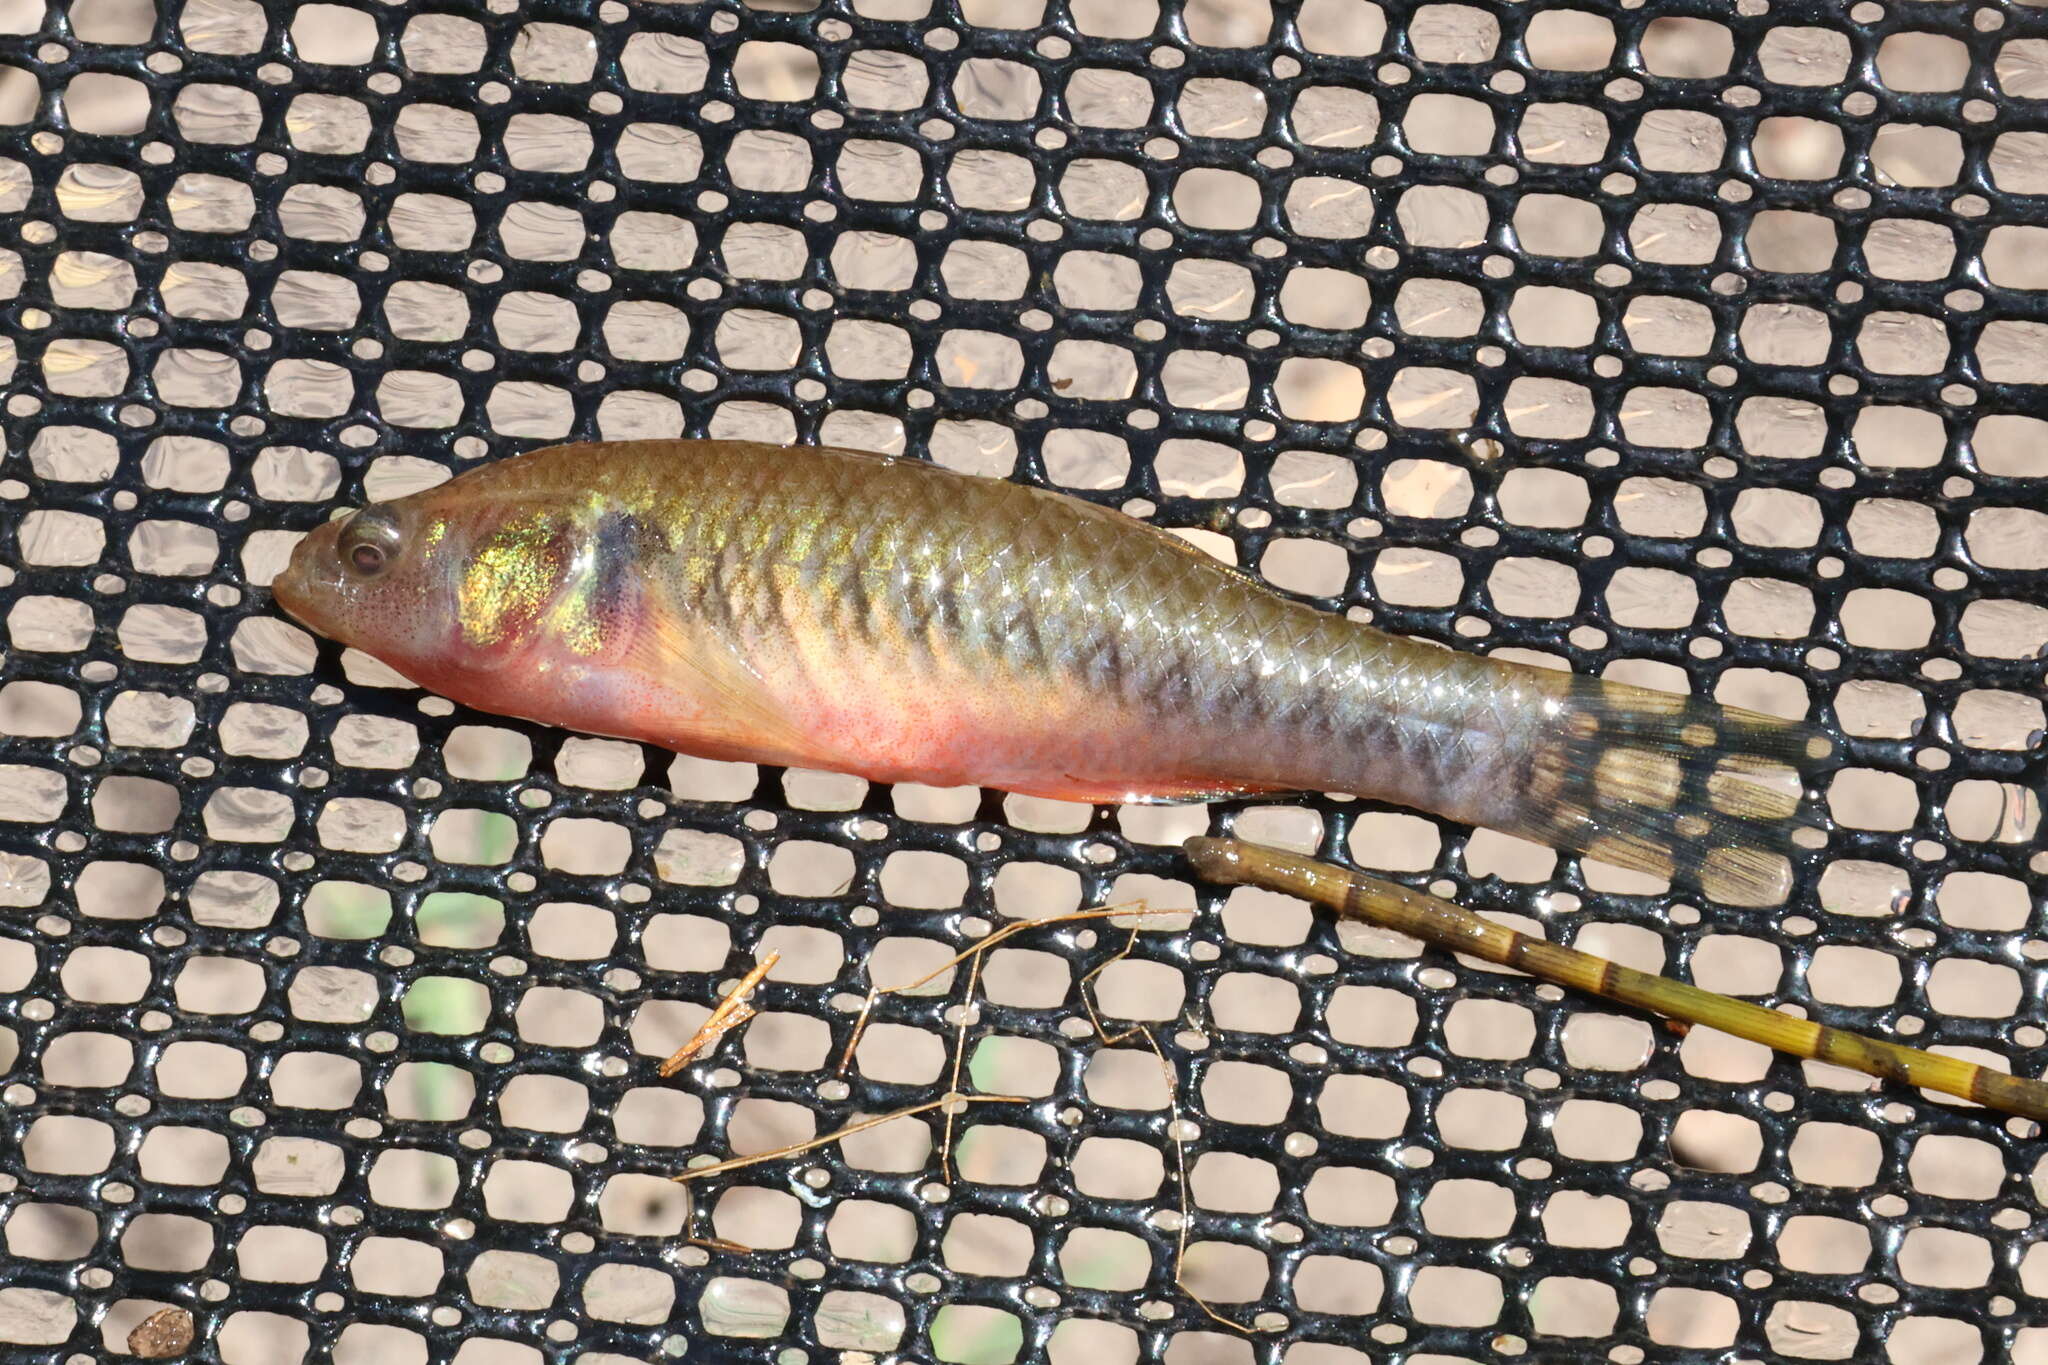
1637, 777
510, 580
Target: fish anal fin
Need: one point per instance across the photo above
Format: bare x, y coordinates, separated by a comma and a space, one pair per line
1195, 796
1095, 791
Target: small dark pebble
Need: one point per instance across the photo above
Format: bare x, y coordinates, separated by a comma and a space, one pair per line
165, 1333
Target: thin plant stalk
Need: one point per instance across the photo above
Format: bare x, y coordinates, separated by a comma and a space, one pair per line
1441, 924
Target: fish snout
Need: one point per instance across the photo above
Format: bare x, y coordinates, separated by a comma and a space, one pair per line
311, 578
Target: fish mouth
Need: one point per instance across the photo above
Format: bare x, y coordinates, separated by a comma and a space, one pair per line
311, 577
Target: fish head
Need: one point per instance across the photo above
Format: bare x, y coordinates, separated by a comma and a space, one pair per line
447, 590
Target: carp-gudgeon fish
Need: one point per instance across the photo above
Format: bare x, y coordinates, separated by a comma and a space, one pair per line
903, 622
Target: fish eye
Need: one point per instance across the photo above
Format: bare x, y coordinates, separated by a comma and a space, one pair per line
369, 542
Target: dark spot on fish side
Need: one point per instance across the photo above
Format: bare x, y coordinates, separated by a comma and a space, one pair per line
623, 544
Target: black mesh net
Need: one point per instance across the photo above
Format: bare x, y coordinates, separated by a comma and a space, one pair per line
1692, 345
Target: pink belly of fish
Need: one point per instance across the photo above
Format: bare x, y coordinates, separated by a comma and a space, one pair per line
991, 733
817, 708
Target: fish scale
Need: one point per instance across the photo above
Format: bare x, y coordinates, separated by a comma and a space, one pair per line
905, 622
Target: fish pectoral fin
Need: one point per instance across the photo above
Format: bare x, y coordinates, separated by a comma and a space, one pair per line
738, 713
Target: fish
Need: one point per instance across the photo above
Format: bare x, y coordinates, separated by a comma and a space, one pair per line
896, 620
1446, 925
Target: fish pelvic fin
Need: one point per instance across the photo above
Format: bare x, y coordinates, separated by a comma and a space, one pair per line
1710, 797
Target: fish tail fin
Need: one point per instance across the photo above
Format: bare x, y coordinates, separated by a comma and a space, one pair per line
1707, 796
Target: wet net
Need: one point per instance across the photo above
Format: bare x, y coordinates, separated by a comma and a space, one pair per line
1694, 345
